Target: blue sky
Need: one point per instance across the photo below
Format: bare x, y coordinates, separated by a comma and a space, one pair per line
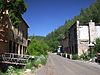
44, 16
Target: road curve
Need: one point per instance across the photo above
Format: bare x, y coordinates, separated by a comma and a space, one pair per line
57, 65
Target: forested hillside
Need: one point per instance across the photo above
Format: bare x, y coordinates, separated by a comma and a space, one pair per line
37, 37
87, 14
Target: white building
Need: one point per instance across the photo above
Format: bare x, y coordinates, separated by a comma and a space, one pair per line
81, 36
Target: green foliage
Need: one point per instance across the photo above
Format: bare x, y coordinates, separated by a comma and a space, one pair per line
85, 56
17, 6
53, 43
15, 9
91, 52
91, 12
53, 39
37, 37
1, 4
12, 71
75, 56
30, 64
37, 47
40, 60
37, 62
97, 45
14, 18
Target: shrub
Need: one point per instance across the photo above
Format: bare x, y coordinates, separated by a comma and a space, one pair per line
40, 60
12, 71
97, 45
85, 56
30, 64
37, 47
75, 56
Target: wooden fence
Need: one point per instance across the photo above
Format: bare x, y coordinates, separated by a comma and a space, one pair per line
12, 58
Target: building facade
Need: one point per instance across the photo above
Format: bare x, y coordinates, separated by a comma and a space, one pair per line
65, 44
81, 37
12, 39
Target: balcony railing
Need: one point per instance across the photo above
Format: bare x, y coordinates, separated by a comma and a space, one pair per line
15, 59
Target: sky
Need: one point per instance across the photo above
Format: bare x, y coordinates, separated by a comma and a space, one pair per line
44, 16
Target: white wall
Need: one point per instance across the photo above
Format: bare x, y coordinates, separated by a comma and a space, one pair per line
97, 31
83, 33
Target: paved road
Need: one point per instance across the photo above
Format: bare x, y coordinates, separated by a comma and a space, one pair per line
57, 65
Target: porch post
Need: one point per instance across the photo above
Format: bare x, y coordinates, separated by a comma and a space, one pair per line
18, 49
22, 51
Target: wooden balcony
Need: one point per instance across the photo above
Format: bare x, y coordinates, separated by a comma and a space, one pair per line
13, 59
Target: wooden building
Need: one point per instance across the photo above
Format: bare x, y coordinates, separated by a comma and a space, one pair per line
13, 40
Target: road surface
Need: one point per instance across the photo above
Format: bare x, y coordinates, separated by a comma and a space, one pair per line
57, 65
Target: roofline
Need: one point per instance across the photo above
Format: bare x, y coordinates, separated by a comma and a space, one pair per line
24, 22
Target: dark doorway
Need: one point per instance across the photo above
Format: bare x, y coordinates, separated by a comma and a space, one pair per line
20, 49
10, 46
14, 47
